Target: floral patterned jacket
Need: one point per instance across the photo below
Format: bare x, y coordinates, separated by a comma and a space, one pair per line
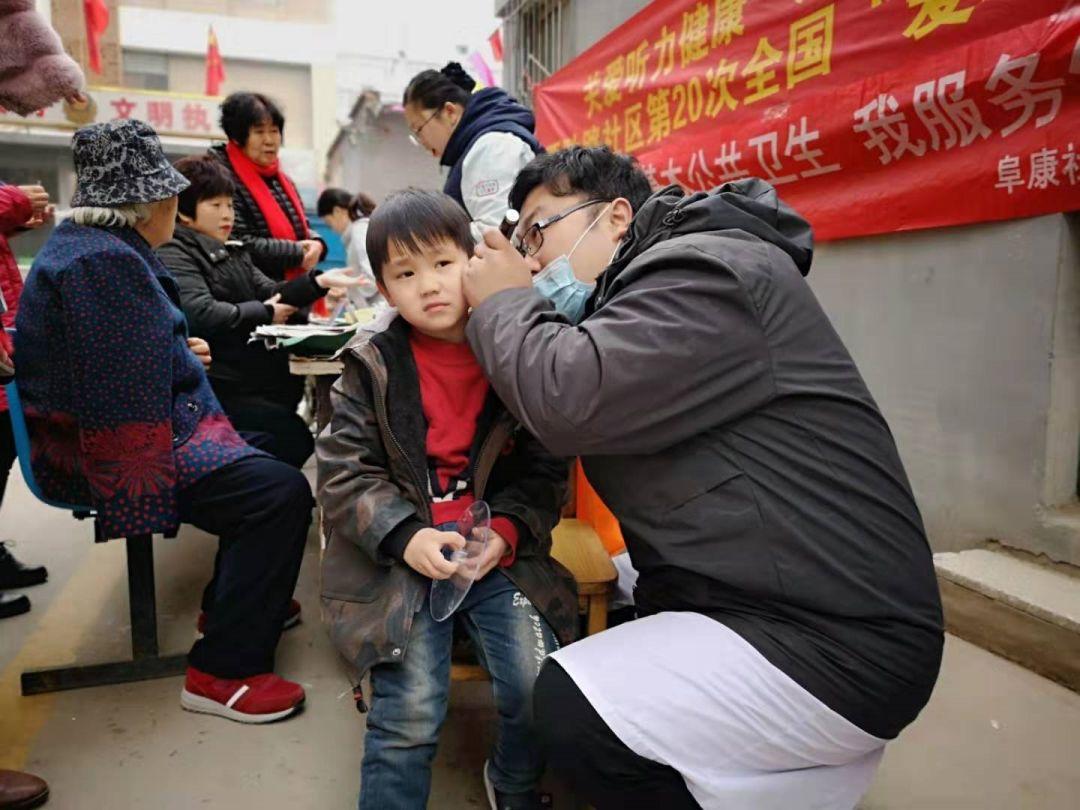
120, 414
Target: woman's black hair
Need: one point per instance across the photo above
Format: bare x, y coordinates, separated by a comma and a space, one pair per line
208, 178
357, 205
413, 219
431, 89
241, 111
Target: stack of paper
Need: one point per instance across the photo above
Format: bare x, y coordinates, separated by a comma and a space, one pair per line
308, 340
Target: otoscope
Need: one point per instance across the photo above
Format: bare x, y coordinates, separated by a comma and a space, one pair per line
509, 223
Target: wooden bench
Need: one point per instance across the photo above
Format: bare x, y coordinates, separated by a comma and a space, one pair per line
578, 547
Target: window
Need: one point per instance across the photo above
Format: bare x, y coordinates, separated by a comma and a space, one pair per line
534, 32
146, 71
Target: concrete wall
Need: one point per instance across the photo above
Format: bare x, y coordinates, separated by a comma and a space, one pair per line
381, 159
954, 331
590, 21
68, 19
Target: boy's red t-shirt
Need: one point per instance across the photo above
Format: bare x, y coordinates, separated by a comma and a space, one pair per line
453, 389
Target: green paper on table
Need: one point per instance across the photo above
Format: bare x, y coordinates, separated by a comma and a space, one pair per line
305, 340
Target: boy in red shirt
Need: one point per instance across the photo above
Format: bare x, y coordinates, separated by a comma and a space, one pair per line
416, 436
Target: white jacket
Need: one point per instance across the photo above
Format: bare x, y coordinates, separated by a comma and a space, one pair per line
355, 241
487, 175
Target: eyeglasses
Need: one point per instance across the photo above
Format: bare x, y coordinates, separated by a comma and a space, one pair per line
414, 134
533, 238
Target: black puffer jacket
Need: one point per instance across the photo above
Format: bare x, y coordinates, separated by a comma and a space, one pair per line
222, 293
273, 256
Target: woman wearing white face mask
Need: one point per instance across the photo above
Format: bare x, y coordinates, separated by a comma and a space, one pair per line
789, 619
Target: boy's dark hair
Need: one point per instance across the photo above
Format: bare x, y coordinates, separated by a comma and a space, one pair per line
357, 205
596, 172
208, 178
241, 111
430, 89
413, 219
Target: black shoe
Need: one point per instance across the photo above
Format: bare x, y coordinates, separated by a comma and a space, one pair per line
13, 606
22, 791
13, 574
530, 800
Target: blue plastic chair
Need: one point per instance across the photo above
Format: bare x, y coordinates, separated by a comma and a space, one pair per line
145, 661
22, 448
335, 248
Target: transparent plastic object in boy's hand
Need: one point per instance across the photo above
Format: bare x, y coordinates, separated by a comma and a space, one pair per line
446, 594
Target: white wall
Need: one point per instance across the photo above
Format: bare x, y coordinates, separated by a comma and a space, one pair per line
161, 30
381, 159
959, 334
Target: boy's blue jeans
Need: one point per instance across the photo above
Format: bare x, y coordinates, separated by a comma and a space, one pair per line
409, 700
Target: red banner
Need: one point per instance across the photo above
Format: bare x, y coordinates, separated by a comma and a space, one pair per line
868, 115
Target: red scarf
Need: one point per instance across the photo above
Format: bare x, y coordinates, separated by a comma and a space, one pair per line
252, 175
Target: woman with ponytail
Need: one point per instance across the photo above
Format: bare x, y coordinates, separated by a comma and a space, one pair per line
484, 138
347, 215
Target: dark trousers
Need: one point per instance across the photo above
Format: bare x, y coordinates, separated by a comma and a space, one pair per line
260, 508
587, 754
7, 450
290, 437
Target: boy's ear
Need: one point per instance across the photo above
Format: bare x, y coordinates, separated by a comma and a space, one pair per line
184, 219
385, 293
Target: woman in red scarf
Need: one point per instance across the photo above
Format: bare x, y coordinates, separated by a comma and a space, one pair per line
269, 214
270, 221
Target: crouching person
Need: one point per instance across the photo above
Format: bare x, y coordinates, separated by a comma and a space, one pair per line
122, 417
416, 436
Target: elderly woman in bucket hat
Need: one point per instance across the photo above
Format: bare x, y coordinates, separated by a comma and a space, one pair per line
121, 417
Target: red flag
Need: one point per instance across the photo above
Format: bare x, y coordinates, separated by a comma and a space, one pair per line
215, 68
495, 40
97, 20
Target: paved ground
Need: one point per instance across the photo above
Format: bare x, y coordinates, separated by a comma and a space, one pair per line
994, 737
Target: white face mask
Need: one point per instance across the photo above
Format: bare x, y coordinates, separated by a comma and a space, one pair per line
558, 283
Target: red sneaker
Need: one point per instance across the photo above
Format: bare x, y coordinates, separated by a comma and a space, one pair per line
258, 699
292, 618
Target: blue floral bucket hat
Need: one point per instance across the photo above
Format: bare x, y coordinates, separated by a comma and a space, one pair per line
120, 163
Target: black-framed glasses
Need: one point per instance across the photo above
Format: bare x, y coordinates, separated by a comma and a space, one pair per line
533, 238
414, 134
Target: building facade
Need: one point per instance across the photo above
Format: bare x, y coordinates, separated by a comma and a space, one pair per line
273, 46
375, 137
969, 337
